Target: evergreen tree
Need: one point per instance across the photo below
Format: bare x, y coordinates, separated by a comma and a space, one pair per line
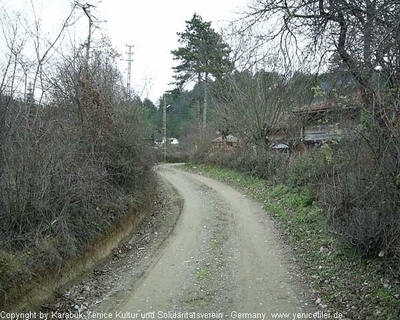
203, 53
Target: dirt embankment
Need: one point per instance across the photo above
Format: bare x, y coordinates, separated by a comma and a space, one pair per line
221, 255
109, 281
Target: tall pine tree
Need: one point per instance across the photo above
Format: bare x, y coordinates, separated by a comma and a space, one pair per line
202, 53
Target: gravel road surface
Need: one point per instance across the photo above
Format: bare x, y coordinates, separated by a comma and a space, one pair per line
224, 258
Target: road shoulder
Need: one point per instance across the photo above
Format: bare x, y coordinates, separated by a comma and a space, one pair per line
106, 285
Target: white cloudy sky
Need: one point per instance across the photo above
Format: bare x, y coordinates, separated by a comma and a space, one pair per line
150, 25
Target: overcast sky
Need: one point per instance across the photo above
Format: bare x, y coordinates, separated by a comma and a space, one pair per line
149, 25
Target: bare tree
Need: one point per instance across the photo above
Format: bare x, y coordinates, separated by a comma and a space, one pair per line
42, 54
252, 105
363, 34
11, 79
64, 181
362, 38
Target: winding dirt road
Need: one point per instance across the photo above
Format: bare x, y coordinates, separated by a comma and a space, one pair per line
223, 258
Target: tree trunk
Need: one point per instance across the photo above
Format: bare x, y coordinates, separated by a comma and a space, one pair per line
199, 100
205, 105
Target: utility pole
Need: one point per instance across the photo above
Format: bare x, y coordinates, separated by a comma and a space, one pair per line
128, 83
164, 128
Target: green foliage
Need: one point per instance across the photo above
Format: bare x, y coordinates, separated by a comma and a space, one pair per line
13, 268
202, 51
256, 162
318, 92
203, 55
365, 125
307, 169
180, 115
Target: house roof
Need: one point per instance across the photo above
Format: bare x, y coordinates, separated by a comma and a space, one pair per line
348, 103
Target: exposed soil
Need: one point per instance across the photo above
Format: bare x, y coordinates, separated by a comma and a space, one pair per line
104, 286
221, 256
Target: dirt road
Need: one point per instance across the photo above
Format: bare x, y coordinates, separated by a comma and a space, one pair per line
222, 257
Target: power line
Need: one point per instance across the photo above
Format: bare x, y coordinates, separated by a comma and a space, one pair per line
128, 83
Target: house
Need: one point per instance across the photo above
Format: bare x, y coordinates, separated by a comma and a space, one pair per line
329, 120
314, 124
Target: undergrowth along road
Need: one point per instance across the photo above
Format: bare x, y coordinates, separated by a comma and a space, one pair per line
340, 280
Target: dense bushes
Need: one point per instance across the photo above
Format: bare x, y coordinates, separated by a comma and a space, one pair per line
57, 198
310, 168
273, 166
356, 185
254, 161
362, 200
67, 177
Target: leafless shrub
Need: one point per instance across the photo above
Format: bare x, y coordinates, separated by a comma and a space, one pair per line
360, 187
73, 163
361, 196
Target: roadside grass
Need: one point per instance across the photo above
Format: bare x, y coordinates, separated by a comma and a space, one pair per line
340, 280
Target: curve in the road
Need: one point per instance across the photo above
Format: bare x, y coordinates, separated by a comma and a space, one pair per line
224, 256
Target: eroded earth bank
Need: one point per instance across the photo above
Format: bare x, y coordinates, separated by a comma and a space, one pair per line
221, 257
